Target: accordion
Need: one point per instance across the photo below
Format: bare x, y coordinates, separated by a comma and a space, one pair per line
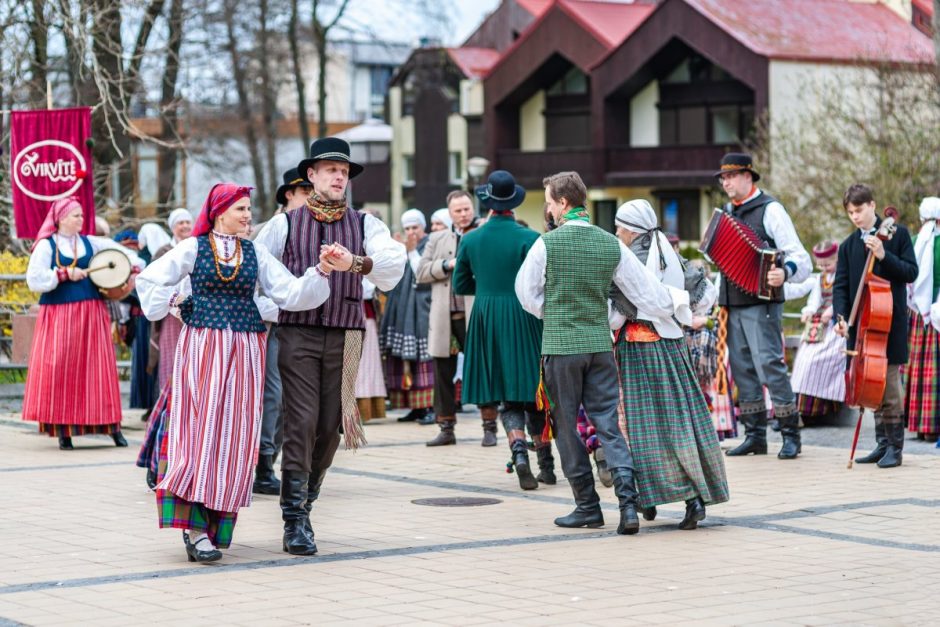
741, 255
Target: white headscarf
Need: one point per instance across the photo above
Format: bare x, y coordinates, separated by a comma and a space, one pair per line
413, 217
176, 215
442, 216
153, 237
638, 216
922, 289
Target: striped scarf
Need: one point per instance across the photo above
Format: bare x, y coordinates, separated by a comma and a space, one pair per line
326, 211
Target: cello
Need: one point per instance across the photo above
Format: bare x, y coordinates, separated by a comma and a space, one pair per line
872, 310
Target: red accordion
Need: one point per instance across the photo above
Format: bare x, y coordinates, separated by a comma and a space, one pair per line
741, 255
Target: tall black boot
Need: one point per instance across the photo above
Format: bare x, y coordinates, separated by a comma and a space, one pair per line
546, 465
266, 482
755, 435
694, 514
520, 461
587, 511
313, 493
489, 432
790, 429
895, 436
625, 489
881, 446
297, 541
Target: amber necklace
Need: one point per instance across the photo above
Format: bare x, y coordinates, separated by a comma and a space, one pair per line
58, 260
236, 255
826, 281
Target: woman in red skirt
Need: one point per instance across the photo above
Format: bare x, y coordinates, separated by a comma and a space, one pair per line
72, 380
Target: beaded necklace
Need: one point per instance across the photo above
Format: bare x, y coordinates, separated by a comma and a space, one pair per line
237, 255
58, 260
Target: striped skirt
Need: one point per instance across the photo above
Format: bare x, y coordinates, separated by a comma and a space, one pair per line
370, 382
675, 450
923, 368
819, 368
170, 328
215, 417
72, 380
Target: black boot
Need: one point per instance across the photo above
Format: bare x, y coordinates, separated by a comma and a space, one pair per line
648, 513
427, 417
446, 436
489, 433
266, 481
297, 540
625, 489
118, 438
151, 478
520, 461
694, 513
790, 429
313, 493
881, 446
587, 512
755, 436
892, 456
412, 415
546, 465
65, 444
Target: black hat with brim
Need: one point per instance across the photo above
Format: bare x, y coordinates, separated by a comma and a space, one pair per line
292, 179
500, 192
329, 149
738, 162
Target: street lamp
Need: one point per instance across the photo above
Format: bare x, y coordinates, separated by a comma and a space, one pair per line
476, 168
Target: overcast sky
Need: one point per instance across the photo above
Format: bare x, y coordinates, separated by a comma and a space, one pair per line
389, 22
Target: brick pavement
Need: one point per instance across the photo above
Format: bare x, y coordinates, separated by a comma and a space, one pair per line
805, 542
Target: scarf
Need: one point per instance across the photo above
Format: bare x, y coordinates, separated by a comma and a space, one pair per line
575, 214
326, 211
220, 198
57, 210
922, 290
638, 216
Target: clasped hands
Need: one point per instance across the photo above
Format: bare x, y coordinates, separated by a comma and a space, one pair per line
335, 257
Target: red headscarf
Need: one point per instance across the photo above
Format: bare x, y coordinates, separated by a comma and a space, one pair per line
220, 198
58, 210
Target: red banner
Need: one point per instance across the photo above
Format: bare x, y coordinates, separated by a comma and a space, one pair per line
49, 159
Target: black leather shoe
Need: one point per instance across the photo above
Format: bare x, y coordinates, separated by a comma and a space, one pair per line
297, 541
755, 436
520, 460
880, 448
625, 489
428, 418
792, 446
151, 479
294, 496
266, 481
629, 521
587, 512
648, 513
546, 465
411, 416
65, 444
118, 438
895, 442
694, 513
195, 555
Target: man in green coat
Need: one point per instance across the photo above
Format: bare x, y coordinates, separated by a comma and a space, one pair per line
565, 280
501, 356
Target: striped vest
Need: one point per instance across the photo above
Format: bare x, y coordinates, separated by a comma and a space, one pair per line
580, 265
305, 235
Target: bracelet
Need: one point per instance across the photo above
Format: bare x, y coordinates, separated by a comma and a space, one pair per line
356, 264
325, 275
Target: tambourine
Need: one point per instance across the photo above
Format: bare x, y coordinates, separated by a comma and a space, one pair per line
110, 271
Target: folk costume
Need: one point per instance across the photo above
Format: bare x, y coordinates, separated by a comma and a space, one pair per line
577, 356
923, 371
318, 393
370, 380
215, 407
403, 335
819, 366
72, 380
666, 415
755, 332
899, 266
447, 332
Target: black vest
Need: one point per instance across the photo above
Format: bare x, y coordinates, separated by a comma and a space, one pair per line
750, 213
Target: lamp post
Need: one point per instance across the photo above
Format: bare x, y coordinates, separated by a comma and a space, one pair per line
476, 168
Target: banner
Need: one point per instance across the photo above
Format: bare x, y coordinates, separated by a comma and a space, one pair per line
49, 159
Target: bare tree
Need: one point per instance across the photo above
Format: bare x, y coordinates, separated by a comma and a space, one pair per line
169, 107
268, 106
321, 33
293, 35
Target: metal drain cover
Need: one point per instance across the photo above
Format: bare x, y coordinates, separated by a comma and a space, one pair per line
457, 501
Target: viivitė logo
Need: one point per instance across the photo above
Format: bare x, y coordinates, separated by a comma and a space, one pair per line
49, 169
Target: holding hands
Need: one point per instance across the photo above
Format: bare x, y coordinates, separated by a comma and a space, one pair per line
335, 257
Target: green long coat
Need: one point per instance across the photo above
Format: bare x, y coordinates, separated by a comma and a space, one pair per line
501, 356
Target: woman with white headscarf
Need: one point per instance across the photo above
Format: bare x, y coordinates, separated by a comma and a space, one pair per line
667, 420
923, 389
440, 220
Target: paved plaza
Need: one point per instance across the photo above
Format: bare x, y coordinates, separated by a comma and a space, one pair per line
805, 543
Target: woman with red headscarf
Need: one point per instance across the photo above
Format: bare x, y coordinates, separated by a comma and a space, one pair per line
211, 444
72, 381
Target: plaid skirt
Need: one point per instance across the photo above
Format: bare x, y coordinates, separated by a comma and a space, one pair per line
923, 368
421, 374
149, 454
675, 448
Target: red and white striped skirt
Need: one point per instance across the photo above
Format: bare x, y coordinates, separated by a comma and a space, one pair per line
215, 417
170, 328
72, 376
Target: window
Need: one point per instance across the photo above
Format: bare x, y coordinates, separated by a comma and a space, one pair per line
725, 124
369, 152
693, 126
455, 168
679, 211
408, 171
604, 213
379, 77
573, 82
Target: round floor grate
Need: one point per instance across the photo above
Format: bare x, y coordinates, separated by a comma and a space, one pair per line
458, 501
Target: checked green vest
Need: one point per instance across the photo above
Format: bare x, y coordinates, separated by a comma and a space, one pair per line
580, 265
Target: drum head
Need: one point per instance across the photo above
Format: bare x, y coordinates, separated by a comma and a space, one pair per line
109, 268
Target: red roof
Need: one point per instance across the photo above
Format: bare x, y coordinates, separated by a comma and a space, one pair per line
820, 30
924, 5
474, 62
535, 7
610, 22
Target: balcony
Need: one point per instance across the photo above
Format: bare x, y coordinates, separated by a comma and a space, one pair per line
530, 167
663, 165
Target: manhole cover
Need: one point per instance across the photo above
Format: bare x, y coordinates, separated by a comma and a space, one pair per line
458, 501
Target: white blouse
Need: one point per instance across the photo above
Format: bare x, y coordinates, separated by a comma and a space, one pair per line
284, 289
41, 276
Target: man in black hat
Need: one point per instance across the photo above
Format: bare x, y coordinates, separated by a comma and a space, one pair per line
755, 345
291, 195
320, 348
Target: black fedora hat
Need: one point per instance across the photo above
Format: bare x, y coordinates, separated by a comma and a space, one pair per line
329, 149
500, 192
738, 162
292, 179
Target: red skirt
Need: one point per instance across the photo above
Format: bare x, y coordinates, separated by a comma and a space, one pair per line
72, 376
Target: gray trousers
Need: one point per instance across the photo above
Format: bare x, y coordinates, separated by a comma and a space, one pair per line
755, 350
271, 408
589, 380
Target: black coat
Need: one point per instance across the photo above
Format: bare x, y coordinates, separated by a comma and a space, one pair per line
899, 267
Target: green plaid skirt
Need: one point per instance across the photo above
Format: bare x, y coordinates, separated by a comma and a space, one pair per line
675, 449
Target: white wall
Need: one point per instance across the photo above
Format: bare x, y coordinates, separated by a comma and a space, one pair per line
644, 117
471, 97
532, 123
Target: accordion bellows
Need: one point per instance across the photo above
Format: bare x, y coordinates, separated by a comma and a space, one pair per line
740, 254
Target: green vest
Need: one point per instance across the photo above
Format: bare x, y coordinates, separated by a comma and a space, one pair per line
580, 265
